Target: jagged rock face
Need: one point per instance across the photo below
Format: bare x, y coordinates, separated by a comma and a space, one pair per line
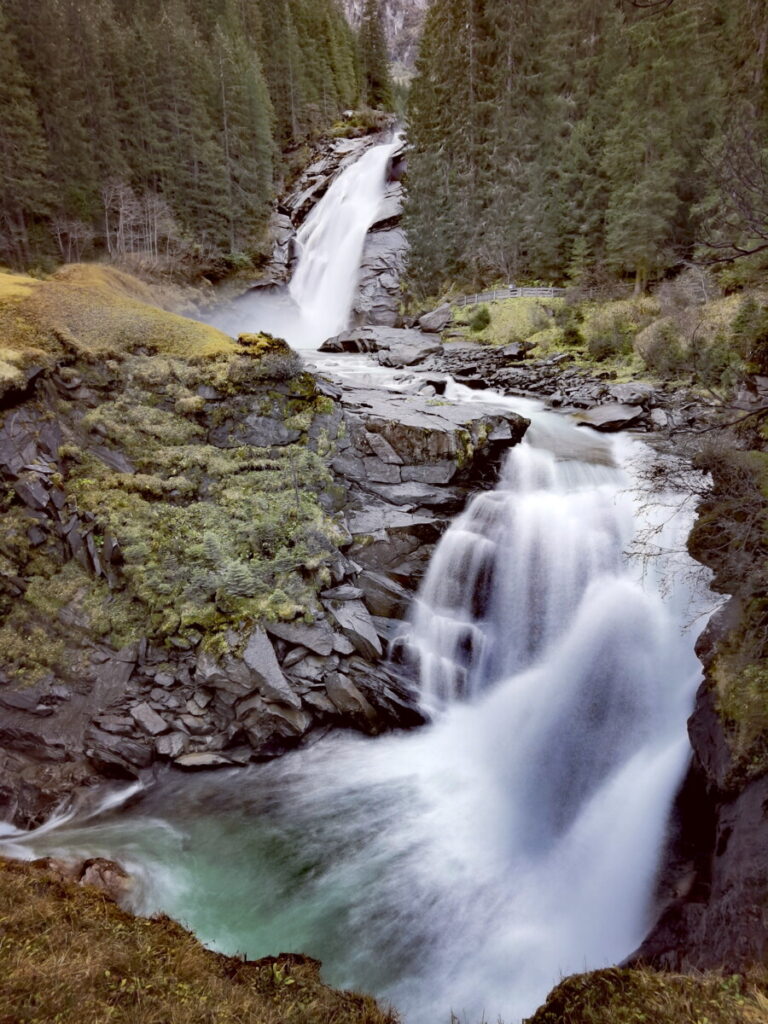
403, 21
132, 657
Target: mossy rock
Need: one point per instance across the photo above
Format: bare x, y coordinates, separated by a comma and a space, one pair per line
644, 996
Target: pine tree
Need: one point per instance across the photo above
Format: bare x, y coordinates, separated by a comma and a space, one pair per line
377, 83
25, 194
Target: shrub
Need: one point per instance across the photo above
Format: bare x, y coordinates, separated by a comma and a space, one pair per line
749, 334
481, 318
661, 348
610, 330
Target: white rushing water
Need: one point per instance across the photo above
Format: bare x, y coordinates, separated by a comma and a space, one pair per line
317, 303
464, 866
467, 865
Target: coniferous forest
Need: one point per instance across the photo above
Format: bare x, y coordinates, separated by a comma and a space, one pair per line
161, 128
554, 141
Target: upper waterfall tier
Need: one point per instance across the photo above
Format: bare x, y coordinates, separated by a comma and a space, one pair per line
318, 302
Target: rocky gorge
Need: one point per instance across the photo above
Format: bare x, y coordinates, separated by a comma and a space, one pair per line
206, 560
90, 689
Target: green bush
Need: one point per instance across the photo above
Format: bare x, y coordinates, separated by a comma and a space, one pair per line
749, 335
610, 330
662, 350
481, 318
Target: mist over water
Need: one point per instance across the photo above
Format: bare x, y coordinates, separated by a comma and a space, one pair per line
316, 304
466, 865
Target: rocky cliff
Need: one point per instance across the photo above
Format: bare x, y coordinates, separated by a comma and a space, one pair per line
204, 549
403, 21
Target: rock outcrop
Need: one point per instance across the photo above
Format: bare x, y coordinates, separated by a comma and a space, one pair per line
204, 561
609, 404
331, 158
384, 256
714, 882
394, 346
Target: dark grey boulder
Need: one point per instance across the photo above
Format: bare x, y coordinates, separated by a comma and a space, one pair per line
148, 719
611, 417
383, 595
632, 393
409, 351
171, 745
355, 622
315, 636
437, 320
259, 656
346, 697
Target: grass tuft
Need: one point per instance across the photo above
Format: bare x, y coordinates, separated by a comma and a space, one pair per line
71, 956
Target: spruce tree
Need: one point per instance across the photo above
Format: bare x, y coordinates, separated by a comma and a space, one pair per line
377, 82
25, 194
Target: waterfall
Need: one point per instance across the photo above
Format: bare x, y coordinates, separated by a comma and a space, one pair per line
467, 865
318, 301
512, 573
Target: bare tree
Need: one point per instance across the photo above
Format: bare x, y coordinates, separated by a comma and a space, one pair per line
73, 237
738, 226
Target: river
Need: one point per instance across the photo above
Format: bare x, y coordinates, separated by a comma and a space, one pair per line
465, 866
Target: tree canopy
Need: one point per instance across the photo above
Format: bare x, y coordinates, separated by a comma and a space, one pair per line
159, 127
549, 139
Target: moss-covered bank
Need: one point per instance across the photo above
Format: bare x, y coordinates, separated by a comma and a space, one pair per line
72, 956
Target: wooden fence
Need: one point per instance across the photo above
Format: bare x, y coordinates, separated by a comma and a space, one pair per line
509, 292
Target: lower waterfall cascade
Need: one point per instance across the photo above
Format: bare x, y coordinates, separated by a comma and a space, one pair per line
467, 865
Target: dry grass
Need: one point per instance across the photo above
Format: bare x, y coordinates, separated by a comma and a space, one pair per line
91, 311
511, 319
68, 955
644, 996
15, 286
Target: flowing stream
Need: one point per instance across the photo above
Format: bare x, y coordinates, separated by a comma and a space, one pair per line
466, 865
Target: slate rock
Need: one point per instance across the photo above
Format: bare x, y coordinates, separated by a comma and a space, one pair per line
202, 760
383, 449
354, 621
315, 636
259, 656
437, 320
611, 417
346, 697
409, 351
172, 745
343, 593
383, 595
116, 755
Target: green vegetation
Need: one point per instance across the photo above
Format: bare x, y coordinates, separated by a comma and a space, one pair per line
376, 81
586, 143
156, 133
500, 323
202, 457
675, 334
70, 955
93, 313
644, 996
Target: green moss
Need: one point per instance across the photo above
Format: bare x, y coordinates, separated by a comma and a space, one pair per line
644, 996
